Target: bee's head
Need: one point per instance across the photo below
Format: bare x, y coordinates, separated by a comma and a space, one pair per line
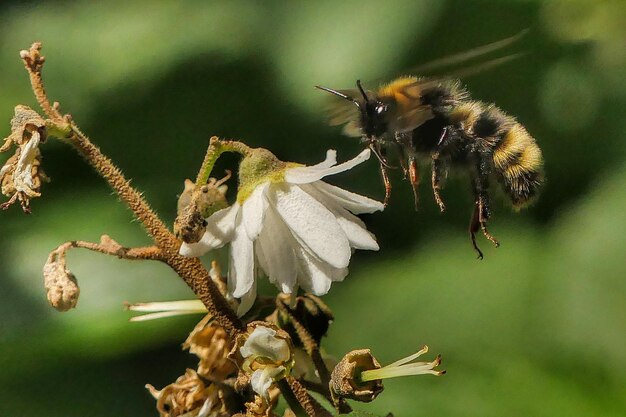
372, 112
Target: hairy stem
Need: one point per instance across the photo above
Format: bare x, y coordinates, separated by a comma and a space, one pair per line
216, 148
308, 403
108, 246
190, 270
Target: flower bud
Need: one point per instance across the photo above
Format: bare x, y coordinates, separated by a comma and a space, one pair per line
60, 284
345, 380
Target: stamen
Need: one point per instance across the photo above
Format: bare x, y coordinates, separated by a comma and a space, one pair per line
402, 367
409, 358
159, 310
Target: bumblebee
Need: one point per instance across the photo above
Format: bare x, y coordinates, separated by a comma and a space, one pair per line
435, 120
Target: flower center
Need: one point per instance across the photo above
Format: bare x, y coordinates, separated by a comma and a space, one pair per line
259, 166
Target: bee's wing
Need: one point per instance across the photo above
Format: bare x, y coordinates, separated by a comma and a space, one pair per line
414, 113
465, 56
412, 119
344, 112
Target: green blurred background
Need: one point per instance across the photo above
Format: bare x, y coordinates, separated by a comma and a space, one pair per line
536, 329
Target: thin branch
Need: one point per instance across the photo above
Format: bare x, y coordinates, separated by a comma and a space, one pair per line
33, 61
308, 403
190, 270
109, 246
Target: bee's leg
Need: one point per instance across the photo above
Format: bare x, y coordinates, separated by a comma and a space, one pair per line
473, 228
380, 154
387, 183
403, 142
436, 178
482, 218
480, 186
414, 179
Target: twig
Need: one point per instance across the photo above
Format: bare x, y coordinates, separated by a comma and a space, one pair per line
190, 270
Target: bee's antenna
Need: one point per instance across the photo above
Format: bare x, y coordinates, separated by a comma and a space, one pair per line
339, 94
358, 84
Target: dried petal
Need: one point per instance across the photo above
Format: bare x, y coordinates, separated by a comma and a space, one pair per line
189, 394
211, 344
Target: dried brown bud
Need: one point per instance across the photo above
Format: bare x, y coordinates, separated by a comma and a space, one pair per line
189, 394
211, 344
345, 380
197, 203
262, 408
60, 284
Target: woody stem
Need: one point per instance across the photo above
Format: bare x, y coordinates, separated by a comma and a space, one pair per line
190, 270
109, 247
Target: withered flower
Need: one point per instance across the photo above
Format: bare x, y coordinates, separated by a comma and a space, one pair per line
359, 376
267, 355
189, 396
210, 343
60, 283
22, 175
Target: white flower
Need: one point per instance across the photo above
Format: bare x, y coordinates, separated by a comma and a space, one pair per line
267, 357
298, 230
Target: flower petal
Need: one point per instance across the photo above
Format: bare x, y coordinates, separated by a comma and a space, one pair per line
254, 211
275, 253
241, 271
353, 227
219, 231
262, 379
312, 224
305, 175
247, 300
356, 203
264, 343
316, 277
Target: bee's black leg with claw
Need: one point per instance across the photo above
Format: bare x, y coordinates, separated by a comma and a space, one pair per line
473, 228
480, 185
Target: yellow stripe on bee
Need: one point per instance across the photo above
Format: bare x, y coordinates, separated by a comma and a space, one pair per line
529, 161
466, 114
514, 143
397, 90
